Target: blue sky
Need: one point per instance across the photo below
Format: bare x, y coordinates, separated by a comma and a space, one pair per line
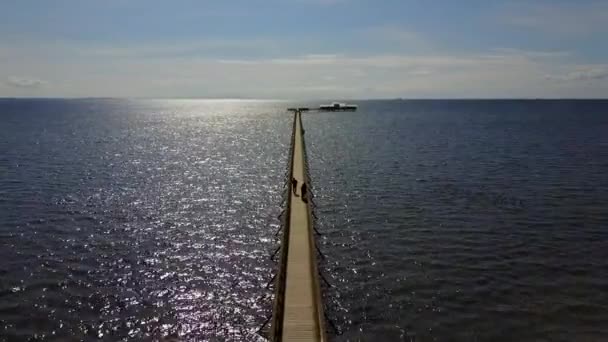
297, 49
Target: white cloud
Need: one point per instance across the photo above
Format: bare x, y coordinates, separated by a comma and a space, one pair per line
162, 49
532, 53
182, 48
24, 82
421, 72
582, 73
82, 70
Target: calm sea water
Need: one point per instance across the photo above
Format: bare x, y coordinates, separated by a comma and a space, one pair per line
442, 220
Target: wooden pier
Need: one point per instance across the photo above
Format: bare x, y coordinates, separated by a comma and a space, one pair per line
298, 309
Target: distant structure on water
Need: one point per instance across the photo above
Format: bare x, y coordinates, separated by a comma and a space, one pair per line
338, 107
333, 107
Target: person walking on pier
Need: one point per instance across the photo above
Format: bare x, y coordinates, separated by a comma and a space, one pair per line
294, 186
303, 191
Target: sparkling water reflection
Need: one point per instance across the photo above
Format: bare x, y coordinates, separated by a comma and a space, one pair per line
441, 220
139, 219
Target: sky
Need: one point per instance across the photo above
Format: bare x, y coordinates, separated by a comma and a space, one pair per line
304, 49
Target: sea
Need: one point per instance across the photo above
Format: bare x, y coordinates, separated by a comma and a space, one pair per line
441, 220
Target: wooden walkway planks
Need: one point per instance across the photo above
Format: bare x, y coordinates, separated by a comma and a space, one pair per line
302, 311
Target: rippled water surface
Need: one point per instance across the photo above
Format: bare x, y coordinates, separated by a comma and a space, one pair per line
441, 220
135, 219
471, 220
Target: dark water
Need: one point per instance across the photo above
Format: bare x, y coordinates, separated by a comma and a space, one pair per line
442, 220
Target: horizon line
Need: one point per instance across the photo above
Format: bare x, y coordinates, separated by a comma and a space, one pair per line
304, 100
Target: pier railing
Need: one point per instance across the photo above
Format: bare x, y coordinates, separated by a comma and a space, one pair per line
290, 315
313, 242
280, 279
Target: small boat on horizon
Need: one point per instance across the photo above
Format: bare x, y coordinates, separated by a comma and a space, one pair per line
338, 107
